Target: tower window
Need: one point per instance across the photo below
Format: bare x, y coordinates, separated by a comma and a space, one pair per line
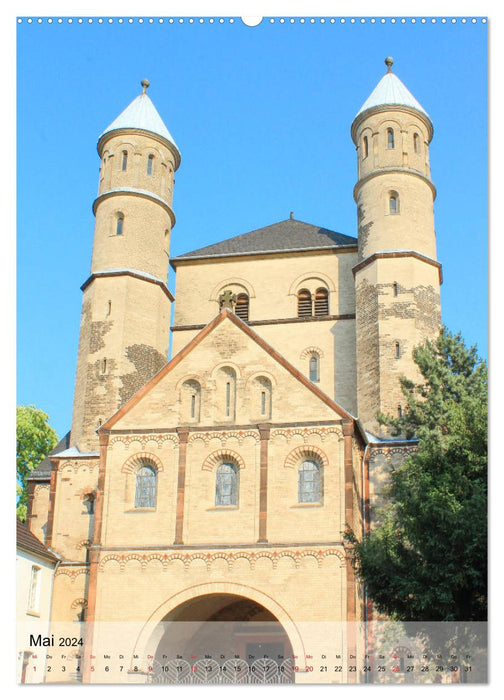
242, 307
390, 138
396, 289
124, 161
109, 308
310, 482
393, 203
416, 143
365, 147
304, 303
119, 225
150, 164
263, 403
226, 486
397, 350
321, 302
314, 368
399, 411
145, 491
103, 366
193, 406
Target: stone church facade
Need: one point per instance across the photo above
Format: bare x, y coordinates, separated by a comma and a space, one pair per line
216, 486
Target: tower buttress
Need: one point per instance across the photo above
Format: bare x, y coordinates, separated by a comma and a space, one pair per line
126, 305
397, 276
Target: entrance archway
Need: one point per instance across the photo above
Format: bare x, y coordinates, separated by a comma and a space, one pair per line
221, 638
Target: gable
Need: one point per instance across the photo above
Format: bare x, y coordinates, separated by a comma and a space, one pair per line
226, 375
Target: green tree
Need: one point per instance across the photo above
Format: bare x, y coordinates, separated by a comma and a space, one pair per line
34, 440
427, 557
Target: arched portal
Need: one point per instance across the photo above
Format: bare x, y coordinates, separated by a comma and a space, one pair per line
221, 638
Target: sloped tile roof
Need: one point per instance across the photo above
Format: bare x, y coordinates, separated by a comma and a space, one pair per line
26, 540
290, 235
43, 471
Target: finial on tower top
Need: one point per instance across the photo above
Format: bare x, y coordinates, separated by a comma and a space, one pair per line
389, 61
145, 84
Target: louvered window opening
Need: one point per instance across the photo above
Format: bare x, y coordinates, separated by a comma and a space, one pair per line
310, 482
242, 307
145, 493
304, 303
226, 488
321, 302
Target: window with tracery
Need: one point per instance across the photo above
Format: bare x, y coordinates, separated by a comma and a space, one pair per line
310, 483
145, 491
226, 485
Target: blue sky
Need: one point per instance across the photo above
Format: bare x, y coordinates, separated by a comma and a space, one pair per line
262, 118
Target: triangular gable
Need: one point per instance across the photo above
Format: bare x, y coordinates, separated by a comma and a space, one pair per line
224, 315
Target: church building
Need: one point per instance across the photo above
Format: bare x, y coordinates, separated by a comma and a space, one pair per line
211, 490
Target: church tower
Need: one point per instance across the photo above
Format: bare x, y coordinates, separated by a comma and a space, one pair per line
126, 306
397, 276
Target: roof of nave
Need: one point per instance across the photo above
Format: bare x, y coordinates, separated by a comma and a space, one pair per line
391, 91
286, 236
43, 471
26, 540
141, 114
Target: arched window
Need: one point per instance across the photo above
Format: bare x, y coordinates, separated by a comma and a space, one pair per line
145, 491
390, 138
242, 307
365, 147
399, 411
321, 302
397, 349
304, 303
393, 203
190, 400
226, 485
310, 484
314, 368
124, 161
150, 164
226, 392
103, 366
416, 143
261, 396
396, 289
119, 225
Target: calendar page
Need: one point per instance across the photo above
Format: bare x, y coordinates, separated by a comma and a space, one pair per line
252, 423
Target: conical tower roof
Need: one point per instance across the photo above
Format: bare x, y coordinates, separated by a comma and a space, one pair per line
141, 114
391, 92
